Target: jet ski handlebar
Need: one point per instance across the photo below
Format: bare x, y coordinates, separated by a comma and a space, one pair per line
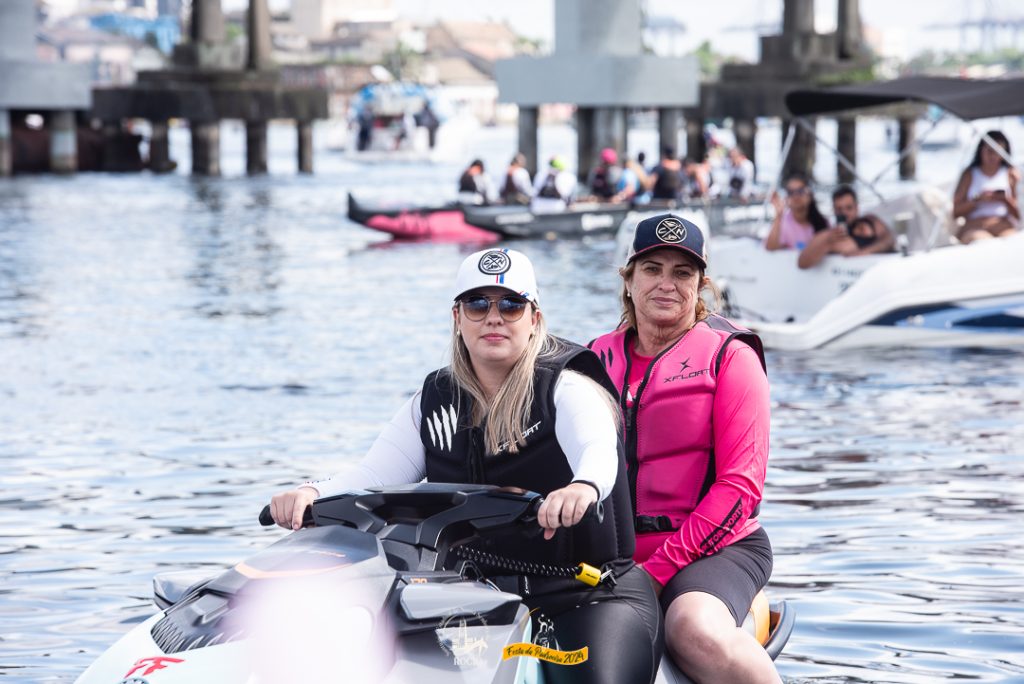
482, 506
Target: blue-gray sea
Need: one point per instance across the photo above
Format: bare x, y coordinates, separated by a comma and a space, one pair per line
175, 350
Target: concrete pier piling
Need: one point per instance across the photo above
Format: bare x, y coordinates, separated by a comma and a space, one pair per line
159, 148
746, 135
586, 146
610, 128
696, 148
63, 142
803, 151
529, 118
304, 130
6, 161
205, 148
846, 144
908, 163
668, 126
255, 147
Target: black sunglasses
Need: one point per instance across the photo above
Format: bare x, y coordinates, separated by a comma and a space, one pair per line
510, 307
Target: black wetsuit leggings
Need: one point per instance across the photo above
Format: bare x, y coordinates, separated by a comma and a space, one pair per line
620, 625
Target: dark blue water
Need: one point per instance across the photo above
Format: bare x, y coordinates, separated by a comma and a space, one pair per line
173, 351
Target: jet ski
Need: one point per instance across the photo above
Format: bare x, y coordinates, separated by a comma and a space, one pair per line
373, 589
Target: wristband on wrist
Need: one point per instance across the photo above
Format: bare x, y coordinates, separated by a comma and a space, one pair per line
588, 482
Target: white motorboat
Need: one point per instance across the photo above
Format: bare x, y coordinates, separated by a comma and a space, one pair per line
933, 292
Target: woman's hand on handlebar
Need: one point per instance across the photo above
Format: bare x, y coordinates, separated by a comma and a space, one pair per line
287, 508
565, 507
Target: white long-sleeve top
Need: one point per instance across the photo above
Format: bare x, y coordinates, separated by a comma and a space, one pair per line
584, 427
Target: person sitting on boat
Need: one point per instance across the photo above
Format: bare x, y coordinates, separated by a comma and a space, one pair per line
604, 178
519, 408
986, 196
518, 187
798, 218
695, 180
696, 410
632, 185
741, 175
553, 189
474, 185
665, 181
853, 235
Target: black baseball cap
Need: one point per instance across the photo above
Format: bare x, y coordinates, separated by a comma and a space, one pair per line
669, 230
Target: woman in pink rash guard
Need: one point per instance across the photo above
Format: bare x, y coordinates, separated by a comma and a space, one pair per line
694, 396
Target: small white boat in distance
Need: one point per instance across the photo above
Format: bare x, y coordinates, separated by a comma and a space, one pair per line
967, 295
933, 292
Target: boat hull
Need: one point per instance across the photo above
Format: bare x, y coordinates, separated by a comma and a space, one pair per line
510, 222
965, 295
443, 223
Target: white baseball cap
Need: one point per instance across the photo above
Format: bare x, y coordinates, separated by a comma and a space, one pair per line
504, 268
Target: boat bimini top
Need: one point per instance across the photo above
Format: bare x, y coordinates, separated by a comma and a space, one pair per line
967, 99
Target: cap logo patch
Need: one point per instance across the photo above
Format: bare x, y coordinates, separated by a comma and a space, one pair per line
494, 263
670, 230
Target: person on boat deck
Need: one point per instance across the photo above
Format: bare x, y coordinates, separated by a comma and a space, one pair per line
986, 195
604, 178
694, 397
695, 181
665, 181
633, 182
853, 235
474, 185
520, 408
741, 175
553, 189
798, 218
518, 187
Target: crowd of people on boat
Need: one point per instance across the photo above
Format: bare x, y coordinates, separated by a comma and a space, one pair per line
615, 179
985, 206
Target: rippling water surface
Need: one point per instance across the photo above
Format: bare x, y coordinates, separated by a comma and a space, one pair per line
174, 350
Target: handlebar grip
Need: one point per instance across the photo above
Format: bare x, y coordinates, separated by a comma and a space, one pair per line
595, 511
265, 518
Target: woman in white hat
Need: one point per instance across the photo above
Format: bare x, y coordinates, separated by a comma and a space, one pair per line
520, 408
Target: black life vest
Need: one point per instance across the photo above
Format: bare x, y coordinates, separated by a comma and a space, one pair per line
467, 183
510, 192
549, 189
668, 185
455, 453
600, 184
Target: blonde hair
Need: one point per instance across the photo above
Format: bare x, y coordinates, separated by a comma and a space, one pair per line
628, 318
507, 415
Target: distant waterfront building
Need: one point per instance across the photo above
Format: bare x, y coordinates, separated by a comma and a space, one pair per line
111, 59
163, 32
168, 8
317, 19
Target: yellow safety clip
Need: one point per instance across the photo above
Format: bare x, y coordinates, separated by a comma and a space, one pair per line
588, 574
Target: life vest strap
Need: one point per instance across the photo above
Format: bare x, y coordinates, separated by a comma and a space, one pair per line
654, 523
